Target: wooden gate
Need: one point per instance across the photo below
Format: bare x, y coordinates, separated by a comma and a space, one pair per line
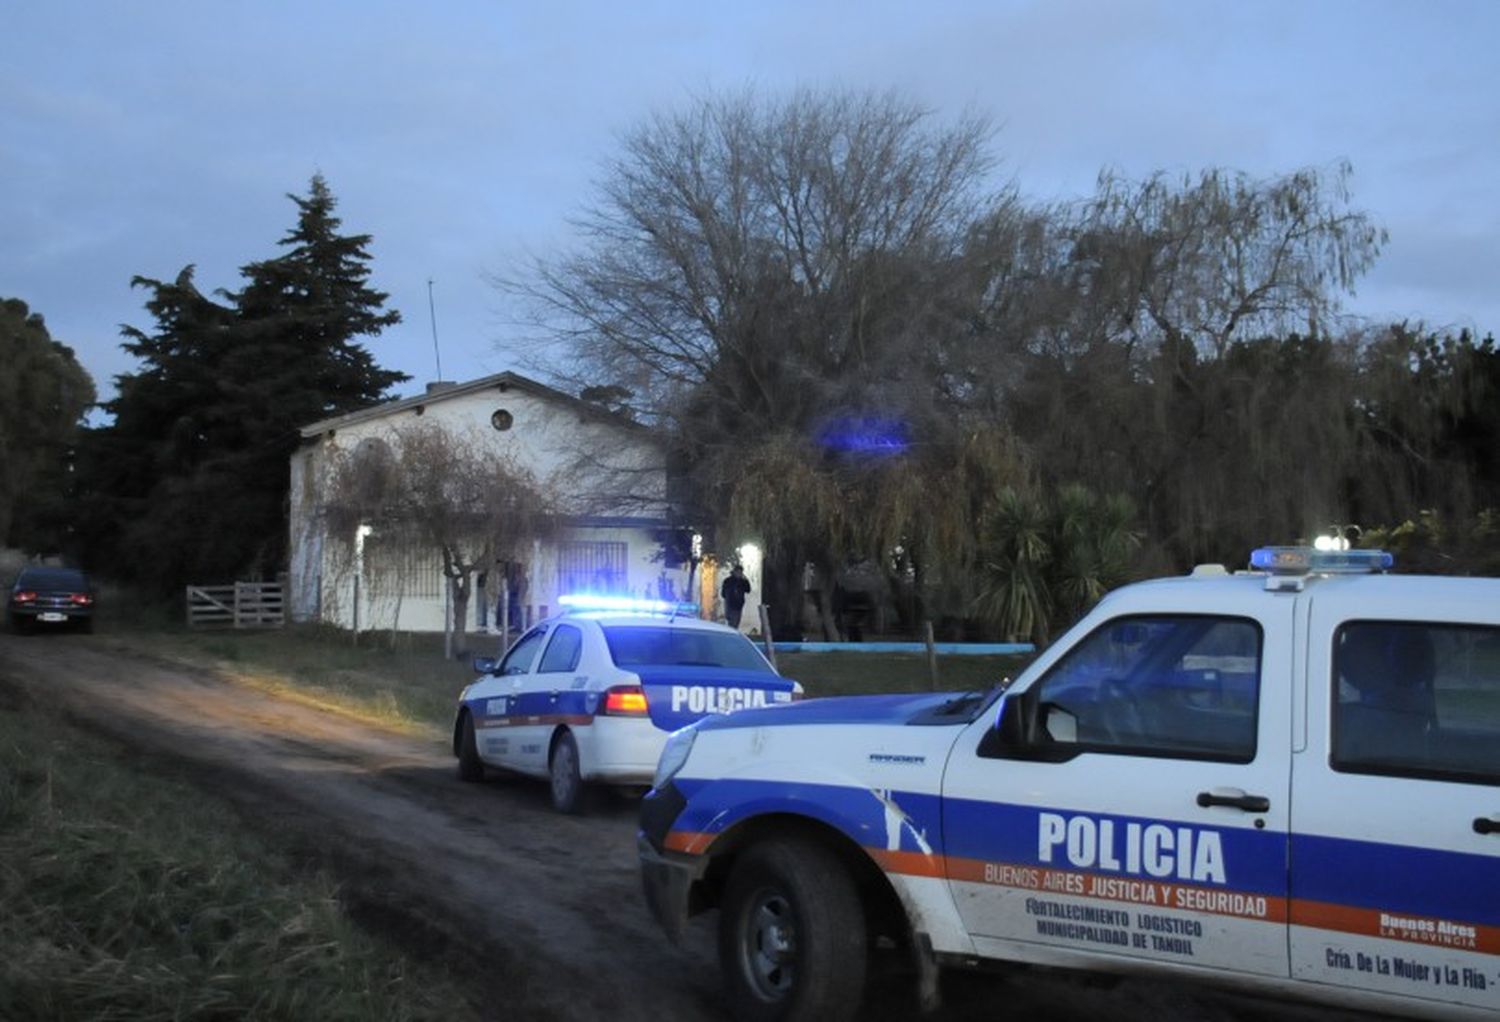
242, 605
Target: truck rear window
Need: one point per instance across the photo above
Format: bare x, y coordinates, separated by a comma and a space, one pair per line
1417, 699
637, 646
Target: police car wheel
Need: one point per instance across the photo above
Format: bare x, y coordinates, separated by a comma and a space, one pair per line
792, 939
470, 767
563, 772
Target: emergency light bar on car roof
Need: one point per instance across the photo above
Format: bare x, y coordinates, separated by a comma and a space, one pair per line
1304, 560
623, 604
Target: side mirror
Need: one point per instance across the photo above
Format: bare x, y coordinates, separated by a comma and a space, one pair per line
1006, 738
1016, 736
485, 664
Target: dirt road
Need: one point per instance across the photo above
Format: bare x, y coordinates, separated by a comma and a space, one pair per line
542, 914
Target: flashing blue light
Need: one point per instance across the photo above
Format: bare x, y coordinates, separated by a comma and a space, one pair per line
1304, 560
866, 435
624, 604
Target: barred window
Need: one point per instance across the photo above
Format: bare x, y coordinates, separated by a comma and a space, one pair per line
590, 567
399, 566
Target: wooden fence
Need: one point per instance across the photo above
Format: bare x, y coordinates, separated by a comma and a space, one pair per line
242, 605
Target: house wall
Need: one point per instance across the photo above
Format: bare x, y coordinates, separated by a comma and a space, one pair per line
596, 468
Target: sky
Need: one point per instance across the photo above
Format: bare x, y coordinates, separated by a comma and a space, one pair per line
138, 138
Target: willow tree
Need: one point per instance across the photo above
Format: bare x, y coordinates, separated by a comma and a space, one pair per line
1188, 363
446, 491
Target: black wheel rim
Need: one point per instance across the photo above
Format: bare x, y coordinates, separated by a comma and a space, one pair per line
768, 945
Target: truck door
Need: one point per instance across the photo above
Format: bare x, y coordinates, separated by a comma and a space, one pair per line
1146, 815
1396, 797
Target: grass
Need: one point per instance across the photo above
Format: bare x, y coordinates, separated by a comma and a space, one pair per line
410, 686
405, 682
839, 673
130, 896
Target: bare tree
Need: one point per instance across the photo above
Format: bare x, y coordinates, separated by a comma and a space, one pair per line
763, 277
466, 502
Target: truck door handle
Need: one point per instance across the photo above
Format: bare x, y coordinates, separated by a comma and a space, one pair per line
1234, 799
1487, 825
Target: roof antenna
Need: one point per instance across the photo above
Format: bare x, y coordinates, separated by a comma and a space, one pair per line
432, 318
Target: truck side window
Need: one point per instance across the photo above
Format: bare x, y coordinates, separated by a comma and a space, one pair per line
1181, 686
1417, 700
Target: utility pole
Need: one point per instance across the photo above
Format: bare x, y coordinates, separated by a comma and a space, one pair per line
432, 318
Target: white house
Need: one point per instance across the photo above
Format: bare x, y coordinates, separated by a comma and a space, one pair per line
607, 474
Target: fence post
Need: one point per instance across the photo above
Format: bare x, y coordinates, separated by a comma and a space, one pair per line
356, 609
504, 621
765, 633
932, 668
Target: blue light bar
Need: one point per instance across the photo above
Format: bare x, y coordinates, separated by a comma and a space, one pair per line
624, 604
1304, 560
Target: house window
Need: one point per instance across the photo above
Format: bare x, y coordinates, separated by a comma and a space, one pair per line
502, 419
585, 567
399, 566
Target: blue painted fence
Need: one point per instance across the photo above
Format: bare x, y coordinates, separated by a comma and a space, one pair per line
941, 648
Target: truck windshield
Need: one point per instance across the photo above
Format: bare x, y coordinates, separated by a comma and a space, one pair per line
648, 646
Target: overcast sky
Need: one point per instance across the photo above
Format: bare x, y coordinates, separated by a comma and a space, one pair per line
137, 138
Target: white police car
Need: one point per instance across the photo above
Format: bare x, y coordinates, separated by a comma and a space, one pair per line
1287, 780
591, 695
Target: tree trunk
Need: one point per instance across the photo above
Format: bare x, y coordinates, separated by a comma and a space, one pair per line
781, 590
460, 622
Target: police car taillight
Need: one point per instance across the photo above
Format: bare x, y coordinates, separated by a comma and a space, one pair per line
625, 701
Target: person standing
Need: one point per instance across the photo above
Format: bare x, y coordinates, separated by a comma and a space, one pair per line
734, 590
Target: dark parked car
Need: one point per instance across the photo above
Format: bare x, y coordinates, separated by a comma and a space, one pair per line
51, 598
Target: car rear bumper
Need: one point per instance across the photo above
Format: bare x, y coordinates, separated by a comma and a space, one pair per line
620, 750
32, 614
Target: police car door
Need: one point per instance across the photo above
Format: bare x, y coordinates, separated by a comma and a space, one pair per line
1396, 796
516, 736
1142, 809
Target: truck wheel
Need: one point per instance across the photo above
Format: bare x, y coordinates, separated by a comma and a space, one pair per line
470, 766
563, 772
792, 943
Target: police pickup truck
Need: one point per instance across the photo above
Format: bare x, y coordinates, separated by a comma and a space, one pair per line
1285, 780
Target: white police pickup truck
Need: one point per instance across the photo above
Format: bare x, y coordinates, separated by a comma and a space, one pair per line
589, 696
1285, 780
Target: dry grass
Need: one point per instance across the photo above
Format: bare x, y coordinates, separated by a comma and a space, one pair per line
128, 896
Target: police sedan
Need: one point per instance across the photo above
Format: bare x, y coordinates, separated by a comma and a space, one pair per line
590, 696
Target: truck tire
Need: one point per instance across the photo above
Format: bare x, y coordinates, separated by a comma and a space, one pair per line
792, 940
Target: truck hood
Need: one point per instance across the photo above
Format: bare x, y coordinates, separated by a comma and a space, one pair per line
930, 708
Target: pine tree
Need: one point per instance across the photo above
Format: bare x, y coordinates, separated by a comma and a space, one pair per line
44, 393
190, 481
302, 314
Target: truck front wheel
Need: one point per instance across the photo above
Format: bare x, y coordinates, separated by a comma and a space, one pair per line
792, 942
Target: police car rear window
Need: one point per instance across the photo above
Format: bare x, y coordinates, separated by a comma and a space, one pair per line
646, 646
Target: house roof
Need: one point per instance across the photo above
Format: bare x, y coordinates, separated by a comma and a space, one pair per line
500, 382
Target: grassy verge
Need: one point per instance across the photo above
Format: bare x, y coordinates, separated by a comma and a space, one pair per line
409, 686
829, 674
407, 683
128, 896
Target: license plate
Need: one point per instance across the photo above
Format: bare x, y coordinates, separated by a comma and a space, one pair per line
51, 615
